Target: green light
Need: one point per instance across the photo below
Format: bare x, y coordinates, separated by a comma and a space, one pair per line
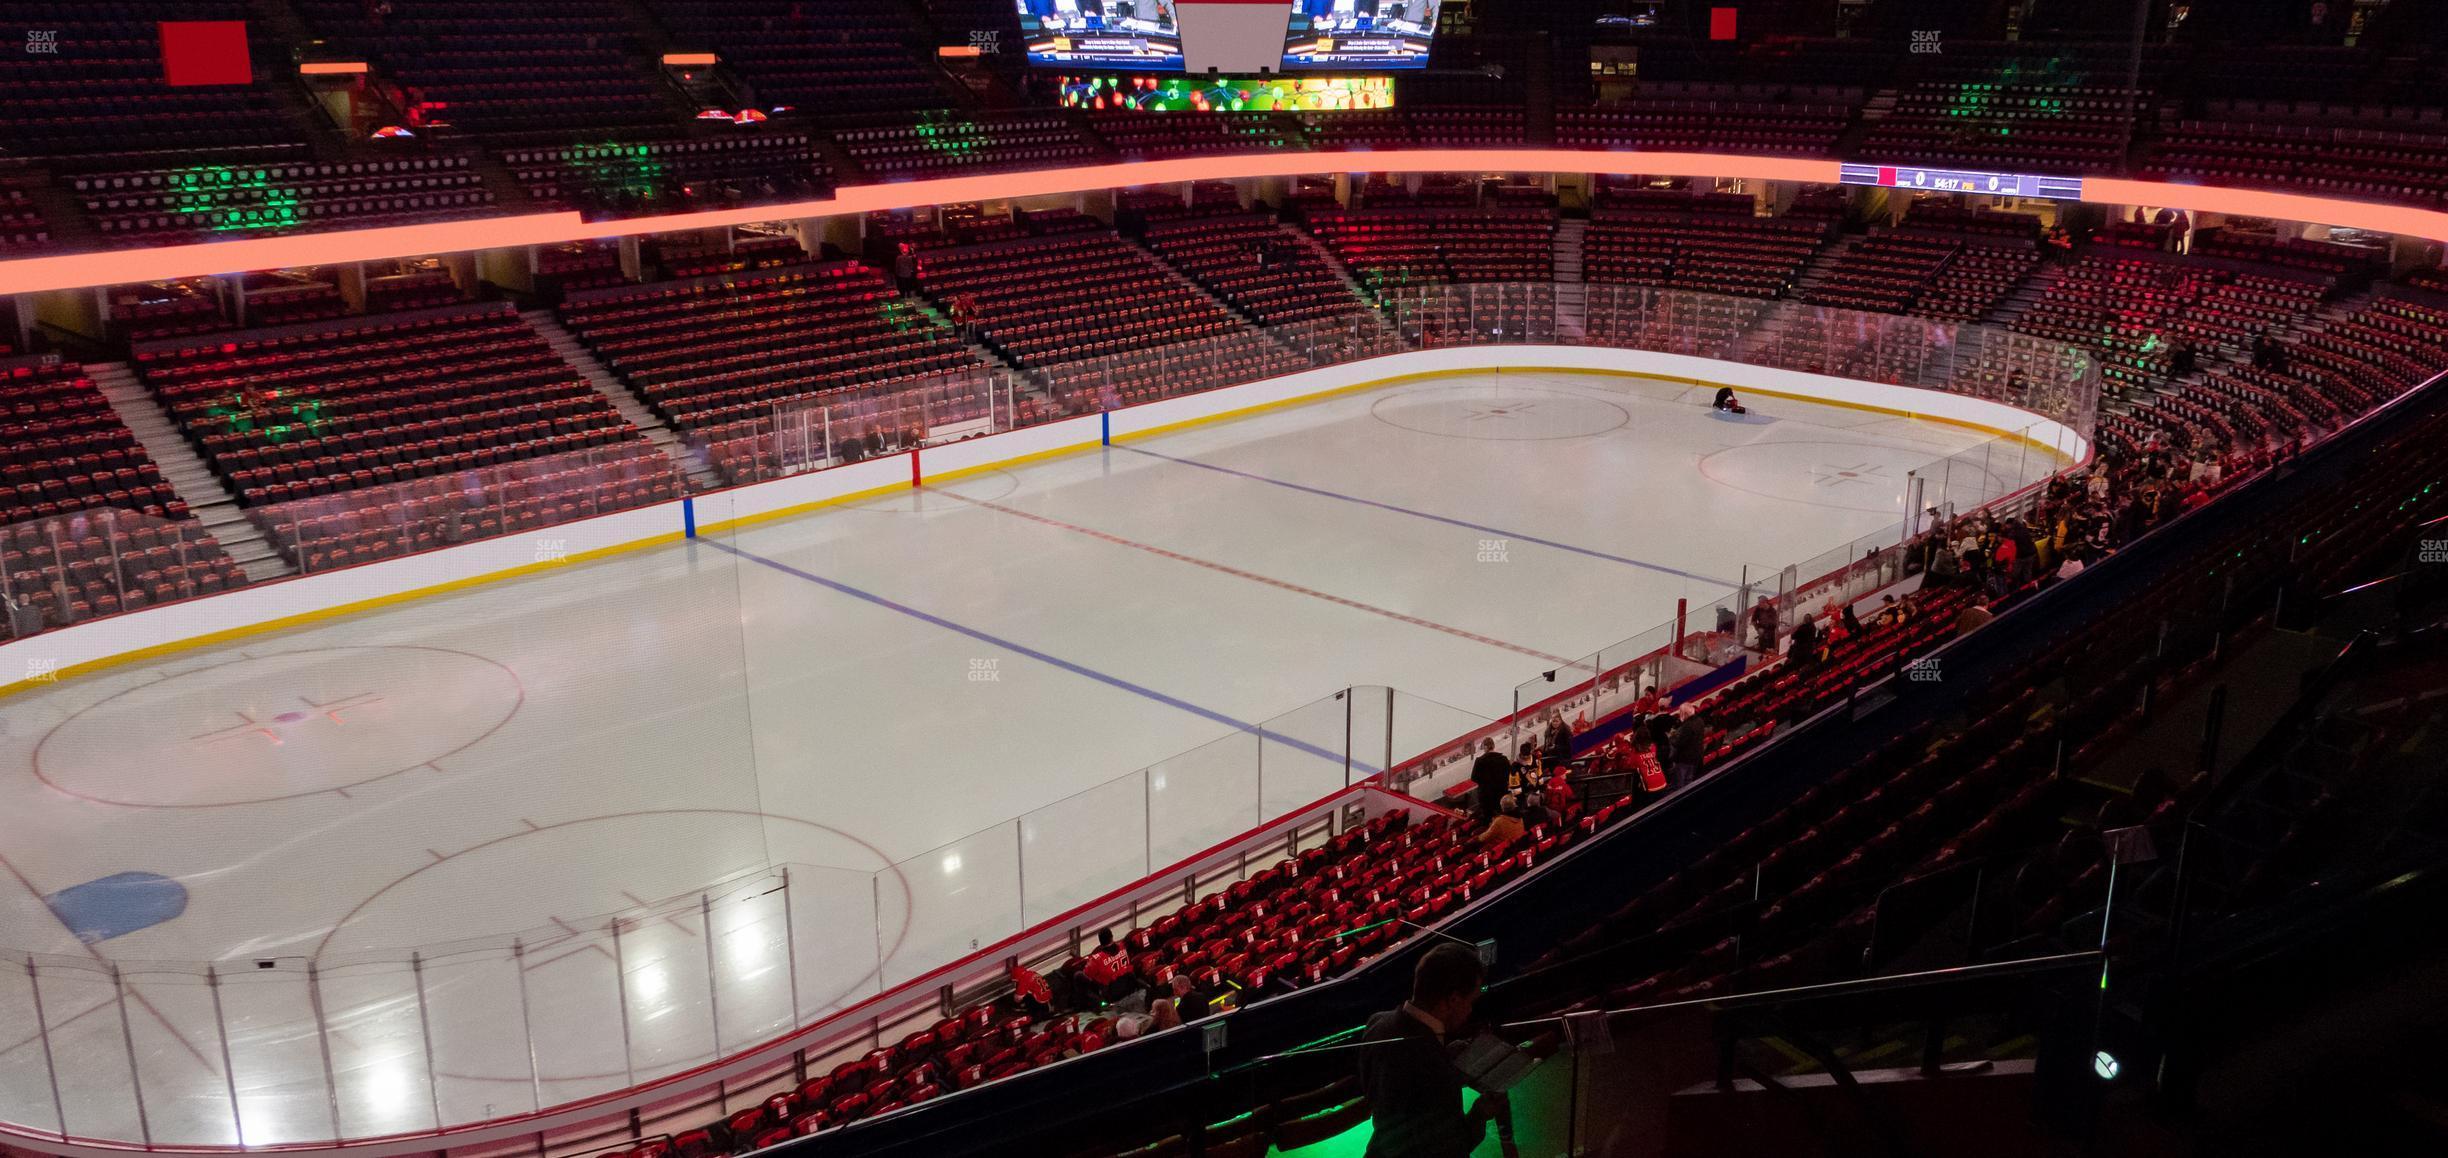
615, 169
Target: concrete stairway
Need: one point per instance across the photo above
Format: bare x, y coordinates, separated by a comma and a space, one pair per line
2026, 294
701, 477
1815, 271
1572, 296
1326, 253
196, 484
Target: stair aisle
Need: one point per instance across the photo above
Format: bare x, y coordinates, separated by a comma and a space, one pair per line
701, 477
1572, 294
203, 491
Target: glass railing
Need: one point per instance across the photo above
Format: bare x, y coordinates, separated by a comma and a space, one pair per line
373, 1042
329, 532
68, 569
846, 426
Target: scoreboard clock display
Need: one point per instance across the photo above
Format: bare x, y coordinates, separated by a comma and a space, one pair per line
1963, 181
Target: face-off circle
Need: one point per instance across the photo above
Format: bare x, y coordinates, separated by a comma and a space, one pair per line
574, 874
277, 727
1848, 476
1502, 413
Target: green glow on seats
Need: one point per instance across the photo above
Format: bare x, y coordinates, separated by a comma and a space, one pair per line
201, 192
271, 414
953, 137
617, 169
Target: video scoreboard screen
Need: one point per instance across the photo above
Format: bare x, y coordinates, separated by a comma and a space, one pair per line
1233, 36
1360, 34
1962, 181
1143, 34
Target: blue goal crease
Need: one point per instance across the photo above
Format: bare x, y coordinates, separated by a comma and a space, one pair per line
1051, 660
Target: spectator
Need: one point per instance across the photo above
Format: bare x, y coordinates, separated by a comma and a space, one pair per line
1107, 972
1488, 775
1764, 626
1972, 618
1414, 1092
1661, 735
1803, 647
1852, 622
1558, 740
1689, 749
1507, 827
1944, 569
1526, 770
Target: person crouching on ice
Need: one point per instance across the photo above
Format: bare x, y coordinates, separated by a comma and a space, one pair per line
1727, 402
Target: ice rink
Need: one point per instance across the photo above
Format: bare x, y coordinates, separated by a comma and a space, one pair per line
853, 688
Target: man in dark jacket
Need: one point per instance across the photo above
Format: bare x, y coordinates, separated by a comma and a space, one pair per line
1690, 748
1488, 774
1414, 1091
1661, 736
1803, 648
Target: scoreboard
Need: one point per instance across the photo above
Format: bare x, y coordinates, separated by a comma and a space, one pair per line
1243, 36
1963, 181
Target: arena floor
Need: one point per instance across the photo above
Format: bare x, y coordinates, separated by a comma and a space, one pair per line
858, 689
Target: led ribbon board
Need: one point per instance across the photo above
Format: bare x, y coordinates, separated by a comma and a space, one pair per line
1962, 181
1228, 93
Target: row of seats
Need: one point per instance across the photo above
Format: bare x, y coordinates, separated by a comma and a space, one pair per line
2304, 387
1071, 297
1176, 134
1883, 273
2013, 779
850, 423
545, 69
1945, 261
66, 569
63, 449
709, 351
214, 199
1288, 924
266, 182
322, 409
1272, 274
939, 143
1389, 248
683, 257
21, 225
2406, 165
1711, 120
321, 534
843, 61
1743, 256
2136, 310
674, 176
1136, 209
99, 98
2010, 127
